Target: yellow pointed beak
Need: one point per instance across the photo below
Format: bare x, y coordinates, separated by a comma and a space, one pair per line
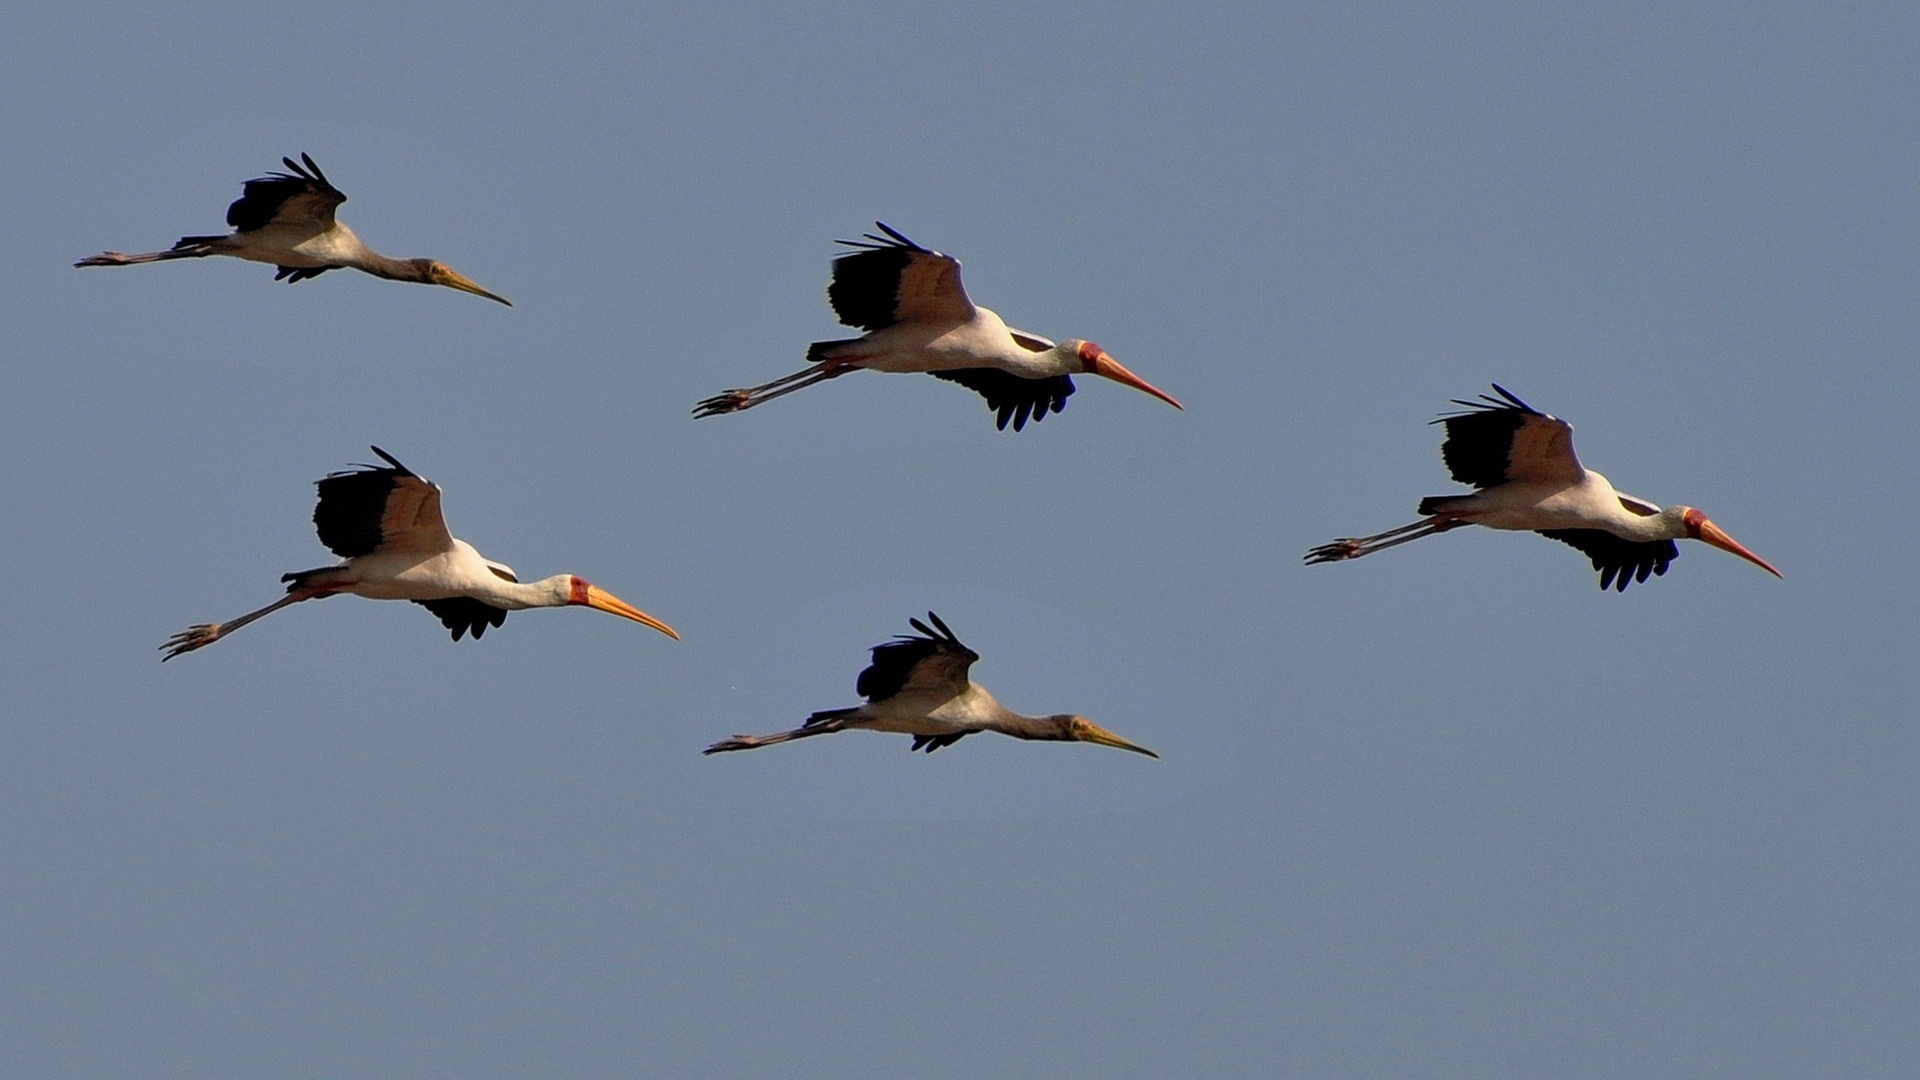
1106, 366
1715, 535
1086, 730
601, 600
452, 279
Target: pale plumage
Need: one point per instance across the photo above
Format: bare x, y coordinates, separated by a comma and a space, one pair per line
286, 220
918, 318
918, 685
385, 522
1528, 478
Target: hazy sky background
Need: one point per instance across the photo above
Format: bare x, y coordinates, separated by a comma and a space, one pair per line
1449, 811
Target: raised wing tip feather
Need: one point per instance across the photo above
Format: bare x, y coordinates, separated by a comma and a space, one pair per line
1507, 401
1509, 395
896, 234
391, 460
894, 240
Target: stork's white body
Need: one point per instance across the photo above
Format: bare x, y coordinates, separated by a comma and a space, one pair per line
307, 245
1590, 503
950, 345
924, 713
458, 571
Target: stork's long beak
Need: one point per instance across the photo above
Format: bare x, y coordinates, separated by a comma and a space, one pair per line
602, 600
1086, 730
1105, 365
1715, 535
453, 279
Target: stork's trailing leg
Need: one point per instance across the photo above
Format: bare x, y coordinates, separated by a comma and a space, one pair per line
728, 401
821, 723
204, 634
1352, 547
192, 247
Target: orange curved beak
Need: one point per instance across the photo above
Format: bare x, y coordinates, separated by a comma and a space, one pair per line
1106, 366
1715, 535
1086, 730
453, 279
601, 600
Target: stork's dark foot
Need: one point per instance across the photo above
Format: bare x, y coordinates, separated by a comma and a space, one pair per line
727, 401
105, 258
1344, 548
193, 637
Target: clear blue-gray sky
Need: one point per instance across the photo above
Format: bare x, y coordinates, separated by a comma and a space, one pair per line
1450, 811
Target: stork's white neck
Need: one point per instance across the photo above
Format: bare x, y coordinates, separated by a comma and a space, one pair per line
1668, 524
556, 591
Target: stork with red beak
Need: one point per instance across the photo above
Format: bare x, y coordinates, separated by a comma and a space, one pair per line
1522, 462
384, 522
918, 318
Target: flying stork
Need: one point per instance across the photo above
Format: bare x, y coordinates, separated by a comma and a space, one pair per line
918, 318
286, 219
918, 686
1521, 460
385, 522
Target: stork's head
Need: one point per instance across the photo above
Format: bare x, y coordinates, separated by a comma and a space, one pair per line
1081, 729
586, 593
1094, 360
1694, 525
439, 273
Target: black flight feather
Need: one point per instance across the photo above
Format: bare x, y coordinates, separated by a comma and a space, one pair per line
1015, 399
262, 197
866, 283
930, 743
894, 661
1619, 560
464, 615
352, 502
1480, 440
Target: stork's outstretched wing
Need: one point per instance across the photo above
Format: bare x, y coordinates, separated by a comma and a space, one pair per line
933, 661
1015, 399
891, 280
380, 508
300, 197
1619, 560
1502, 439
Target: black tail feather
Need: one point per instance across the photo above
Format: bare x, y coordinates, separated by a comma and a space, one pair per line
827, 716
817, 352
299, 578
